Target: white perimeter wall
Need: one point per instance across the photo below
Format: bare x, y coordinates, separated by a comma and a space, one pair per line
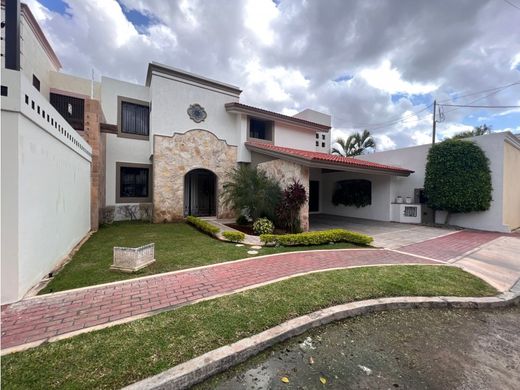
414, 158
45, 189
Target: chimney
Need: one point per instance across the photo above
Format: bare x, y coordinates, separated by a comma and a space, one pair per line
12, 34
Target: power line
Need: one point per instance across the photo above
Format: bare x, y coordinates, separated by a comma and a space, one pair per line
414, 115
466, 105
512, 4
482, 91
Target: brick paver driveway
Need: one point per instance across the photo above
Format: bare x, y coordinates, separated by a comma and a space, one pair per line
47, 317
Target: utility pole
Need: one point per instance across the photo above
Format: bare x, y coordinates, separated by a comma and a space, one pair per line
434, 124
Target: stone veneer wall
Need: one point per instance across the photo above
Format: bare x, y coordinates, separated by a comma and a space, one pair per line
92, 134
285, 172
175, 156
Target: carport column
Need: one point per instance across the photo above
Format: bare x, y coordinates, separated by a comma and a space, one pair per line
285, 172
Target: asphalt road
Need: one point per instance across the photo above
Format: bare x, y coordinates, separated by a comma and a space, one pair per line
418, 349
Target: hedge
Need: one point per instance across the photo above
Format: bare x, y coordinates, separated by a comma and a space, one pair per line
457, 178
202, 225
316, 238
234, 236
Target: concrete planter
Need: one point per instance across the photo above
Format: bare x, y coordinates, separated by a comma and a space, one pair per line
133, 259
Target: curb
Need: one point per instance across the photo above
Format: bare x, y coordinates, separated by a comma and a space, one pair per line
202, 367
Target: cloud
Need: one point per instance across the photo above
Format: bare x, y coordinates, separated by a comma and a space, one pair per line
389, 79
287, 55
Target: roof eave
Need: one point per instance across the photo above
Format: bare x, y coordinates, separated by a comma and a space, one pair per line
313, 163
191, 77
237, 108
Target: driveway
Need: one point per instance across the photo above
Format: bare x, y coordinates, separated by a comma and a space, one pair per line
498, 262
391, 235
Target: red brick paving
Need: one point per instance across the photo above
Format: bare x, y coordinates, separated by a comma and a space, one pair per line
453, 245
51, 315
43, 317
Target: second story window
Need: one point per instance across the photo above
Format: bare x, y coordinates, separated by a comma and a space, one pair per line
135, 119
260, 129
36, 82
71, 108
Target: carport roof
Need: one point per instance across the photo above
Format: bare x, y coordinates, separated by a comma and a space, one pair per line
325, 161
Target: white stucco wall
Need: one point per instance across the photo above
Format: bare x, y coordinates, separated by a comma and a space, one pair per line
171, 99
378, 210
293, 137
512, 185
45, 187
120, 149
415, 158
33, 59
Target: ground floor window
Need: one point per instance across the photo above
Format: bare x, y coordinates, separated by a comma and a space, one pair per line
353, 193
133, 183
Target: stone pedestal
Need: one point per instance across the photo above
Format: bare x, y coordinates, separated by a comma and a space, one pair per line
133, 259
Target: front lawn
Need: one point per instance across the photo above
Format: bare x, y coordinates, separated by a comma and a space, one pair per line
177, 246
117, 356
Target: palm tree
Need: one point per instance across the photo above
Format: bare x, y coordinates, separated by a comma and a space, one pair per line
251, 191
355, 144
478, 130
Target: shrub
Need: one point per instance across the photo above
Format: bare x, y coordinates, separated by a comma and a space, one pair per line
234, 236
263, 226
316, 238
457, 178
202, 225
288, 211
242, 220
252, 190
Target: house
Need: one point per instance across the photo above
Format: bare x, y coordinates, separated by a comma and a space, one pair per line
77, 152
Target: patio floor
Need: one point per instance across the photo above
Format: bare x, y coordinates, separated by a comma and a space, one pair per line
389, 235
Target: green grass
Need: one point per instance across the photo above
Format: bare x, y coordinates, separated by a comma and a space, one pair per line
123, 354
177, 246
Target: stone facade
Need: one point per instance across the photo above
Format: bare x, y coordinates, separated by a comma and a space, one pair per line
174, 157
92, 134
285, 172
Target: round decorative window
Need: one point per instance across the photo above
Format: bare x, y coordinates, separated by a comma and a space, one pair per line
197, 113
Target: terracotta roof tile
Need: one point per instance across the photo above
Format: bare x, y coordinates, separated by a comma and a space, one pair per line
328, 158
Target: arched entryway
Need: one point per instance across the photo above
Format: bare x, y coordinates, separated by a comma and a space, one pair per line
200, 193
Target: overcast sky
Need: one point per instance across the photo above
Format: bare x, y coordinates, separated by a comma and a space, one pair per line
374, 64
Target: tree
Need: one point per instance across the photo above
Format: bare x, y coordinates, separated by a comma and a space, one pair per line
355, 144
477, 130
250, 190
457, 179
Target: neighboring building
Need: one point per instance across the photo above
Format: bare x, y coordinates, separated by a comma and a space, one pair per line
76, 153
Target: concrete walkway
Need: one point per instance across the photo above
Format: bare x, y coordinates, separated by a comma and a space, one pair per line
59, 315
498, 262
389, 235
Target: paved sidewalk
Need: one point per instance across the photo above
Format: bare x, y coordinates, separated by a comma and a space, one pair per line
497, 262
47, 316
452, 245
